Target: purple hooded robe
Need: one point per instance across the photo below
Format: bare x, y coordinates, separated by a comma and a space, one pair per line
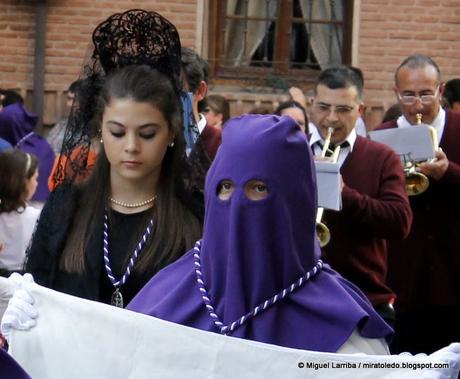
16, 127
9, 368
251, 250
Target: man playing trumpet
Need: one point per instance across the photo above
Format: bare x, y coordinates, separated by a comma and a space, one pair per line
374, 202
424, 269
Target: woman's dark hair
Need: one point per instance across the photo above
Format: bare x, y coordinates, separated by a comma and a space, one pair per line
15, 168
392, 113
219, 104
175, 227
291, 104
261, 109
10, 97
452, 92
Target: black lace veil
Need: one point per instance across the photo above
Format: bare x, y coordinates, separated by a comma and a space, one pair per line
138, 37
129, 38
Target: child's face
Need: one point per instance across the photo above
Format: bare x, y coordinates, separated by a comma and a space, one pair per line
31, 185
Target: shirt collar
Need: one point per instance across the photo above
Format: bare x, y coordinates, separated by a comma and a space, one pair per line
201, 124
438, 123
316, 137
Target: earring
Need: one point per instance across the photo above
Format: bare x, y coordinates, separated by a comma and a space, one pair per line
102, 141
171, 144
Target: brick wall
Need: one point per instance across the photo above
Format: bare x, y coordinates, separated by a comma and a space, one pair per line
390, 30
69, 27
17, 19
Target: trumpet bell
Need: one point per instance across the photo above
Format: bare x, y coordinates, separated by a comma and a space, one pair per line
416, 183
323, 234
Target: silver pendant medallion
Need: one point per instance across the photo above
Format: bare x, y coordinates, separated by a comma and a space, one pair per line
117, 299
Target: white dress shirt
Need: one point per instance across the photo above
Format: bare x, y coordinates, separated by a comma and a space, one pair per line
438, 123
15, 233
316, 143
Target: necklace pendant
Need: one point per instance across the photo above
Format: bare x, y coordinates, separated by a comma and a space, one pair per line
117, 299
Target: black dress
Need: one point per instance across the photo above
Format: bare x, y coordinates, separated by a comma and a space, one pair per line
93, 283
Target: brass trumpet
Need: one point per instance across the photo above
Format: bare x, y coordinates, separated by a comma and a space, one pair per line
416, 182
322, 231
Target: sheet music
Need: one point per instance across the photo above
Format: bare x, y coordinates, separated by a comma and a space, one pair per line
412, 144
329, 185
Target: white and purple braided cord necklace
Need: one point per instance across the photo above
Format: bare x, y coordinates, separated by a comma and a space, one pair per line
117, 298
226, 329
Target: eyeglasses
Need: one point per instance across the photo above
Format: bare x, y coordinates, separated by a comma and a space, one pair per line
424, 99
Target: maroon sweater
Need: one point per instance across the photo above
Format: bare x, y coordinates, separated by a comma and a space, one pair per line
211, 137
424, 269
375, 208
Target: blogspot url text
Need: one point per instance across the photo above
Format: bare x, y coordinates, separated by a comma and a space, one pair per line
370, 365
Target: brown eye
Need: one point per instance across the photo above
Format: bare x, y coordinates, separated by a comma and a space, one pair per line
225, 190
260, 188
256, 190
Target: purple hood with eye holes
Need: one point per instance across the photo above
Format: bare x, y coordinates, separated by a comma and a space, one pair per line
251, 250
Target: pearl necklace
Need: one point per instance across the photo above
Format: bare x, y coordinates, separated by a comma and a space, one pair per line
132, 205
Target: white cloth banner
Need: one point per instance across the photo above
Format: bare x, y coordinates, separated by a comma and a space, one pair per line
76, 338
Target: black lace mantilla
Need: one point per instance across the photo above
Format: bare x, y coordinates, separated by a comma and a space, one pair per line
129, 38
132, 37
138, 37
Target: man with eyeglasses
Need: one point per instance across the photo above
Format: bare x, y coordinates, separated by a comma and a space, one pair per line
374, 202
424, 269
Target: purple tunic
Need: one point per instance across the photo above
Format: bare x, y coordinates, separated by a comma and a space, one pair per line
16, 127
253, 249
9, 368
